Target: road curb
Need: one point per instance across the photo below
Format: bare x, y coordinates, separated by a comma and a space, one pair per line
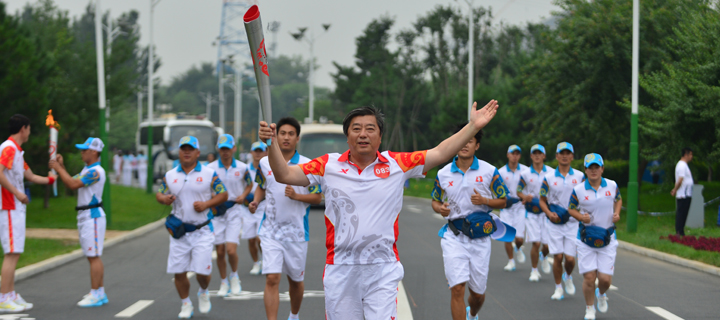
670, 258
56, 261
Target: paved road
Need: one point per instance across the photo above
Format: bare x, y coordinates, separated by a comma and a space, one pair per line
135, 271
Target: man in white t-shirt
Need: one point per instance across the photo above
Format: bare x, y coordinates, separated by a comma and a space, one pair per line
682, 190
284, 229
363, 196
142, 160
514, 215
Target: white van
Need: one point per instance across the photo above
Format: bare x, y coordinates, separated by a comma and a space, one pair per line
317, 139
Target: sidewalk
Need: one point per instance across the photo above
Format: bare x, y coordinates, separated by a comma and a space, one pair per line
66, 234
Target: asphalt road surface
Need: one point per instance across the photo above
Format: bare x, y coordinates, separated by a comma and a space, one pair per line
139, 288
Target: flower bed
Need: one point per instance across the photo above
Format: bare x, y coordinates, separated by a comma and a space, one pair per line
701, 243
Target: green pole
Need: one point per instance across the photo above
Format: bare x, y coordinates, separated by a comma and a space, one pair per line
151, 165
105, 163
632, 207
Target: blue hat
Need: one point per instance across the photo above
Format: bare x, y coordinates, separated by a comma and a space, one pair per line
564, 146
514, 148
226, 141
92, 144
258, 145
189, 140
537, 147
593, 158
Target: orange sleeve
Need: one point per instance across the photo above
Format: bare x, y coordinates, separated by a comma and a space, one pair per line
409, 160
7, 157
25, 166
315, 166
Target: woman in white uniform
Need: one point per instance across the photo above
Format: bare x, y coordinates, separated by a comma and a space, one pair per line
596, 204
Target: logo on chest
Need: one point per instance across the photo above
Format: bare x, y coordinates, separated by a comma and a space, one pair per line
381, 170
269, 173
607, 193
237, 173
344, 171
478, 179
199, 180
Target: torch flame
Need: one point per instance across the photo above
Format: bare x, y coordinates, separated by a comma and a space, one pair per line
50, 121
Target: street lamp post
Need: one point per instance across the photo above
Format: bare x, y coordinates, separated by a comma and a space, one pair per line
471, 56
300, 36
633, 182
104, 158
151, 106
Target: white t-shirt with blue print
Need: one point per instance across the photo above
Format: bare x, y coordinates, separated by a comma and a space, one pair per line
93, 179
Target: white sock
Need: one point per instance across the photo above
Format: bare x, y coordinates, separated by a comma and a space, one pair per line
101, 291
13, 295
568, 278
512, 260
590, 307
233, 274
4, 297
94, 293
203, 291
187, 300
293, 316
224, 280
534, 269
558, 286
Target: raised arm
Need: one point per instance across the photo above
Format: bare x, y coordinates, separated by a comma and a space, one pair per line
450, 146
66, 178
292, 175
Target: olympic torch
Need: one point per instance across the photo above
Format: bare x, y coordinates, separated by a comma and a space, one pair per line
256, 40
54, 127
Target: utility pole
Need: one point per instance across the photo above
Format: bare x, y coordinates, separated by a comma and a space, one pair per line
300, 36
221, 96
151, 106
104, 157
633, 182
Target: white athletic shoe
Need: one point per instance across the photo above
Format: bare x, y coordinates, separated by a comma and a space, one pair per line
186, 311
520, 255
558, 295
545, 265
602, 304
89, 301
569, 286
9, 306
535, 276
256, 269
467, 315
204, 304
235, 285
21, 302
589, 313
224, 289
510, 266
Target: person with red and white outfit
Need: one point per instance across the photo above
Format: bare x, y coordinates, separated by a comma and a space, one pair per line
13, 170
363, 191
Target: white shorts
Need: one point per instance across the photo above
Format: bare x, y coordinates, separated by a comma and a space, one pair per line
515, 217
466, 260
12, 230
361, 291
535, 226
600, 259
92, 236
192, 252
561, 238
286, 257
227, 227
250, 223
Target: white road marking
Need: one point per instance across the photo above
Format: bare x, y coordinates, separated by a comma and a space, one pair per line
664, 313
134, 309
414, 209
612, 287
403, 306
284, 296
190, 275
13, 316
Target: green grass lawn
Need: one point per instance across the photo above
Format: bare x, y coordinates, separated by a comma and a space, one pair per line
131, 208
37, 250
653, 198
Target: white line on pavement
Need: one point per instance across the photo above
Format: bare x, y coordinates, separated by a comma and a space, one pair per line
414, 209
664, 313
403, 306
13, 316
190, 275
612, 287
134, 309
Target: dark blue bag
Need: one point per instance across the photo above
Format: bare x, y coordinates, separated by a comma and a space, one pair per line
595, 236
533, 206
510, 201
561, 212
478, 225
175, 226
222, 208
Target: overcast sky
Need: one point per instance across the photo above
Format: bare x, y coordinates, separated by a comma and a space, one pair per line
185, 29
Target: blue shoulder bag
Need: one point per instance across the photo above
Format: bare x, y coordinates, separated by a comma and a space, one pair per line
596, 237
510, 201
178, 229
561, 212
476, 225
222, 208
533, 206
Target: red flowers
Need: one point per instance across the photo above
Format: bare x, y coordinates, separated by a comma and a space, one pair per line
702, 243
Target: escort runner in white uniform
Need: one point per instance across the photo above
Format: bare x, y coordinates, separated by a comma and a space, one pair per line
515, 214
465, 186
554, 196
117, 165
191, 189
142, 161
127, 169
228, 225
13, 172
284, 229
363, 191
251, 221
528, 190
89, 184
596, 204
